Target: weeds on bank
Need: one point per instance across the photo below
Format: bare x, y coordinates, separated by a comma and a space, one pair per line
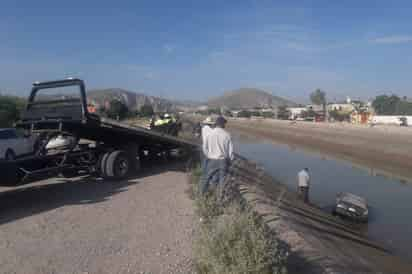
233, 239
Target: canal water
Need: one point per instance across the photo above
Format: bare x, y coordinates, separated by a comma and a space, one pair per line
389, 198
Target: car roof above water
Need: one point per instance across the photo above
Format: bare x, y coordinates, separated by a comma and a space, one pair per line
352, 199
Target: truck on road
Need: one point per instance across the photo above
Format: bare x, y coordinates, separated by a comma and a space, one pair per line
57, 111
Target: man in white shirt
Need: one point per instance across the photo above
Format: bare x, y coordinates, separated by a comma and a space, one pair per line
303, 184
207, 127
218, 149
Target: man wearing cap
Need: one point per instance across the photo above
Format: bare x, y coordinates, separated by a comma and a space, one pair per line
218, 149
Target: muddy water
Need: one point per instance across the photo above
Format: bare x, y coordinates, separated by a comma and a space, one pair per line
389, 197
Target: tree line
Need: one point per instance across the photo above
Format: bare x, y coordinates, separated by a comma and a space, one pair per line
392, 105
118, 110
11, 108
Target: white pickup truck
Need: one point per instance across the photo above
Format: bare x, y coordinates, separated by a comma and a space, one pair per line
14, 144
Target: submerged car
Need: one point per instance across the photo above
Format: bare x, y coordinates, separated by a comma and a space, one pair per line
351, 206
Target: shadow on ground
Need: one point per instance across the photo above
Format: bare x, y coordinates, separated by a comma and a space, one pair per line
54, 193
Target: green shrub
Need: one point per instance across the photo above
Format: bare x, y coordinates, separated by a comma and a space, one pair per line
207, 206
232, 239
237, 242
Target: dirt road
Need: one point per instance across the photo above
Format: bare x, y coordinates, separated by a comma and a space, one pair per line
142, 225
385, 148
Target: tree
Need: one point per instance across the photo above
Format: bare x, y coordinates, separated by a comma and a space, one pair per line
392, 105
215, 111
117, 110
308, 114
255, 113
10, 109
244, 114
268, 114
386, 105
405, 108
318, 97
283, 113
339, 116
146, 111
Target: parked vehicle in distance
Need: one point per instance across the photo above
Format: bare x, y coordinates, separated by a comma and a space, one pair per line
351, 206
403, 121
14, 144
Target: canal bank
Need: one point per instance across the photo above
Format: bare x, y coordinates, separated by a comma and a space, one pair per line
388, 194
316, 241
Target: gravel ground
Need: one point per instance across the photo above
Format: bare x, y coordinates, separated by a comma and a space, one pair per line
142, 225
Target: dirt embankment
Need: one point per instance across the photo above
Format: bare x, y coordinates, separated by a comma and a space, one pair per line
140, 225
385, 148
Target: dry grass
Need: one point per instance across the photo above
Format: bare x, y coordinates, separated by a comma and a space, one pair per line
233, 239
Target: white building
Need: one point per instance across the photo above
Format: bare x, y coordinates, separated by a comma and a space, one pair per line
296, 112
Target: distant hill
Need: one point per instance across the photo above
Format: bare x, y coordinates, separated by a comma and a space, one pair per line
244, 98
133, 100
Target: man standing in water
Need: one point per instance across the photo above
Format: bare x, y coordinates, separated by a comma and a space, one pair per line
303, 184
218, 149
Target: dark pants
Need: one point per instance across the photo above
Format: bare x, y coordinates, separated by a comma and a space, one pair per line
214, 174
303, 193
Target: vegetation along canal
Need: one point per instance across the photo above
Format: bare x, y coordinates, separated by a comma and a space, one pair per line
388, 196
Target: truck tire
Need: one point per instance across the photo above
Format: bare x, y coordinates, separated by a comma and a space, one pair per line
134, 153
101, 164
117, 165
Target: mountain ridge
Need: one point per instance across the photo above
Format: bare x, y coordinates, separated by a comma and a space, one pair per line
244, 98
133, 100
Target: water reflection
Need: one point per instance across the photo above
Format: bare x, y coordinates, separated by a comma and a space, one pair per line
388, 195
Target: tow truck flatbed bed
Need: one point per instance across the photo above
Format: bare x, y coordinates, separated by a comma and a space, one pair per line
118, 148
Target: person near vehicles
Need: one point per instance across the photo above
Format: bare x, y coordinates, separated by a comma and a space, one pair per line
303, 184
197, 130
218, 150
206, 128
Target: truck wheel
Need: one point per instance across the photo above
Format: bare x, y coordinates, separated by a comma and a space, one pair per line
101, 164
134, 153
117, 165
10, 156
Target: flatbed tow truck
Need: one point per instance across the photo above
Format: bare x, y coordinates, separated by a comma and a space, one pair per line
112, 150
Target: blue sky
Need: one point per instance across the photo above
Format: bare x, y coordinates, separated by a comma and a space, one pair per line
198, 49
